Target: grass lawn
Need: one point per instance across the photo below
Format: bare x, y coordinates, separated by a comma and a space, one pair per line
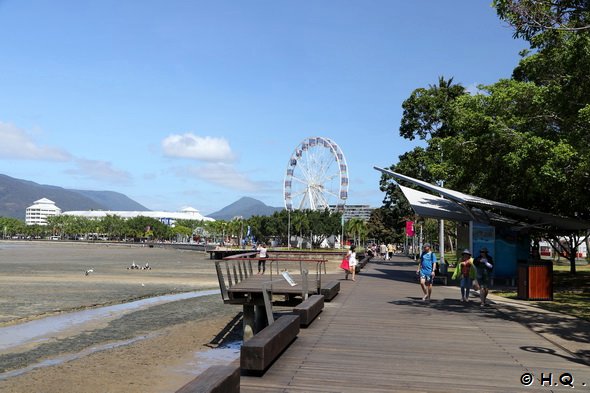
571, 293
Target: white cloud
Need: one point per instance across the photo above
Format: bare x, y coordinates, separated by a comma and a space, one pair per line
16, 143
99, 171
224, 175
197, 147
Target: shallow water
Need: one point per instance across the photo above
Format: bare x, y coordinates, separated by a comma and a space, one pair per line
44, 329
68, 357
217, 356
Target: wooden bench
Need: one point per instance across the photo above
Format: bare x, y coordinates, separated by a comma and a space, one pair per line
258, 353
216, 379
330, 290
309, 309
362, 263
442, 278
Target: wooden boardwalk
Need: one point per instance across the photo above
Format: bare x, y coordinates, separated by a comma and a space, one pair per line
378, 335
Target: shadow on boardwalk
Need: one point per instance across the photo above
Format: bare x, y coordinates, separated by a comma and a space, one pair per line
553, 324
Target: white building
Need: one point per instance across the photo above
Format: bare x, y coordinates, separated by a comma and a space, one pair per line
40, 210
362, 212
167, 218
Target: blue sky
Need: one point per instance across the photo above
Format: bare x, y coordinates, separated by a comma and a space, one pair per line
198, 103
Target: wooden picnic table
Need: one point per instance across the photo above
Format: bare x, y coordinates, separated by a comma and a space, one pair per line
240, 285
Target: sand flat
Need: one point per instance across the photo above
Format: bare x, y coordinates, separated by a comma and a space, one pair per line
44, 278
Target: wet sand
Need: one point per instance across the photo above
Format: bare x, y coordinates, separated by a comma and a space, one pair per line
162, 342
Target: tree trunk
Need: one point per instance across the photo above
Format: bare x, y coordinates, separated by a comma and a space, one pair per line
573, 243
573, 263
451, 244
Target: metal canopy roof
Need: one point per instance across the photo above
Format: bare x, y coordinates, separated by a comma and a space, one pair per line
478, 209
428, 205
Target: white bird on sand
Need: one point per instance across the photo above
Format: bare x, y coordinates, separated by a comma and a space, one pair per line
89, 271
142, 284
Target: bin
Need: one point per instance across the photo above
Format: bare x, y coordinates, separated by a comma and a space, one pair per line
535, 280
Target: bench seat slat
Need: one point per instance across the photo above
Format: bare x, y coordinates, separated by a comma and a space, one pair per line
309, 309
258, 353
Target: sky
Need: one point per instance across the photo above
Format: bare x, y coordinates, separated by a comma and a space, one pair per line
199, 103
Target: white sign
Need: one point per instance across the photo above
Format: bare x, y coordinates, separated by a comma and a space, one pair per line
289, 278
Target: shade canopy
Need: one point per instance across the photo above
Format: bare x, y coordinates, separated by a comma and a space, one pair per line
458, 206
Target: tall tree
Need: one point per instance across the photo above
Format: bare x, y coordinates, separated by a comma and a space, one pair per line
531, 19
427, 112
532, 129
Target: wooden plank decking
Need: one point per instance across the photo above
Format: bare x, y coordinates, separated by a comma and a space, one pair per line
379, 336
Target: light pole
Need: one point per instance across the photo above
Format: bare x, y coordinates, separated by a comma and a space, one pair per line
441, 233
289, 229
342, 231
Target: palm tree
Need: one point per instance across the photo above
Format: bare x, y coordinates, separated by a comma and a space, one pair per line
356, 228
300, 223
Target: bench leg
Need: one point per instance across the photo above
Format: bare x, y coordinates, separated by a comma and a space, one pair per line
261, 319
248, 322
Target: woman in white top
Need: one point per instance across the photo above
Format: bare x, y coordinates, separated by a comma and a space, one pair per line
263, 253
352, 262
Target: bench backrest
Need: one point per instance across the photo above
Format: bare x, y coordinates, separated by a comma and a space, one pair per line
230, 272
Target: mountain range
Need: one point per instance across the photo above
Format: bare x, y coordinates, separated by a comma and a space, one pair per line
16, 195
245, 207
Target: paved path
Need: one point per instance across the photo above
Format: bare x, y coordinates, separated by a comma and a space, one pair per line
378, 335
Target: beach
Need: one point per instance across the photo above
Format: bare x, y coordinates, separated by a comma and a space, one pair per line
148, 348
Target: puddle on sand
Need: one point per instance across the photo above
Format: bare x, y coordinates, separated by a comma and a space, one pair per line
217, 356
44, 329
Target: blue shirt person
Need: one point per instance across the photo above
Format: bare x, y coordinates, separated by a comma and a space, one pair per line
426, 271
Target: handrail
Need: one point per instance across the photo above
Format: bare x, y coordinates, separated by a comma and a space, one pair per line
231, 274
233, 257
238, 256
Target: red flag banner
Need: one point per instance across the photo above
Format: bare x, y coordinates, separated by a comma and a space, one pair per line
410, 228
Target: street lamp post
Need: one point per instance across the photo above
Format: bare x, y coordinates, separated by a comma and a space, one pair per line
342, 231
289, 229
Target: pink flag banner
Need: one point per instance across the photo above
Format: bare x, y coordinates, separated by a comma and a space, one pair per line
410, 228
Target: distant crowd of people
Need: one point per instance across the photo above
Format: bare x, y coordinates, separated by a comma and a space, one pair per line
472, 273
383, 251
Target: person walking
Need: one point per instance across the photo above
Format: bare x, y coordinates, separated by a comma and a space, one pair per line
383, 251
263, 255
426, 271
484, 264
352, 262
465, 270
390, 251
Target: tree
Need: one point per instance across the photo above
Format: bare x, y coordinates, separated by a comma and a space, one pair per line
382, 225
427, 112
531, 19
180, 230
300, 224
357, 229
11, 226
532, 129
322, 224
147, 227
113, 225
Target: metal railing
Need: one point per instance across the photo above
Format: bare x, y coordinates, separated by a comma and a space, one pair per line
237, 268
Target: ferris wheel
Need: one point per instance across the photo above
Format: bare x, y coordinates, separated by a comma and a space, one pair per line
317, 176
